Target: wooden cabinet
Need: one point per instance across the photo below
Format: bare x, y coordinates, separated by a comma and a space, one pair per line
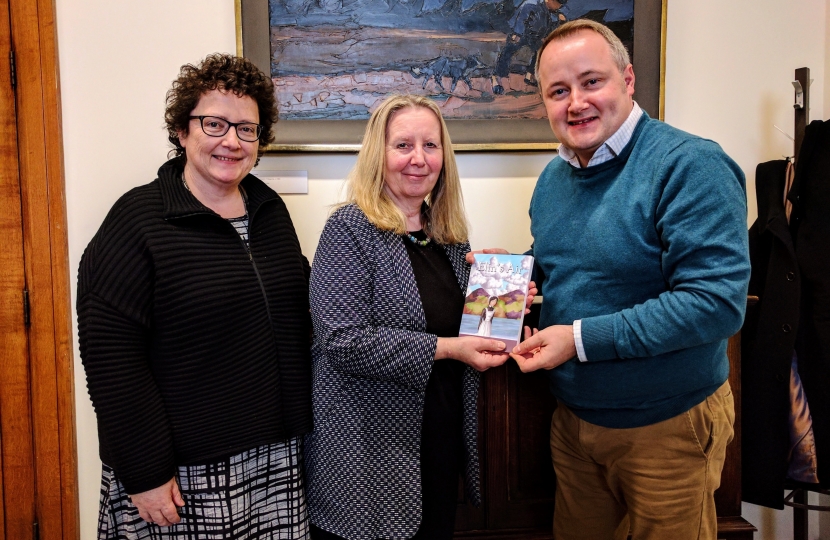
517, 475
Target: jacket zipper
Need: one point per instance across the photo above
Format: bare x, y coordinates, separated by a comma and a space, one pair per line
247, 248
250, 258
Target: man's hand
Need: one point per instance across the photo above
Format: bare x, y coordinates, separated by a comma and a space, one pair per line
532, 291
547, 349
471, 255
158, 505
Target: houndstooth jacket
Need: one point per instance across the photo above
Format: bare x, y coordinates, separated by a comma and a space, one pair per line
371, 362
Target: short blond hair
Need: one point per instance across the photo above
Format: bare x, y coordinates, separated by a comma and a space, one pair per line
618, 51
443, 218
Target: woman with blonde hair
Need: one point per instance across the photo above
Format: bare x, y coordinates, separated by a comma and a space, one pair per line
394, 388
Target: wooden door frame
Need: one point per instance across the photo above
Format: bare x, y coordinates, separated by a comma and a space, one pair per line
46, 261
16, 463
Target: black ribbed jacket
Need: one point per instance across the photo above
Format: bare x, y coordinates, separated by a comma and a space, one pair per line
193, 351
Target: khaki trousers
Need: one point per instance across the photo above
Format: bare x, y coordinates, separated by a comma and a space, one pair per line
657, 481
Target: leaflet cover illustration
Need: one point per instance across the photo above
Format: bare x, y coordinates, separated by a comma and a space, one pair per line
495, 302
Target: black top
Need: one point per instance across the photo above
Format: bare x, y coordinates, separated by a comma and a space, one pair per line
443, 303
194, 348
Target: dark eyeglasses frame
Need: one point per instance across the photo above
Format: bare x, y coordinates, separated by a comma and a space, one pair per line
233, 125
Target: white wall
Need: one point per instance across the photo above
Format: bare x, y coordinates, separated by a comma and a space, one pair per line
117, 60
728, 78
729, 70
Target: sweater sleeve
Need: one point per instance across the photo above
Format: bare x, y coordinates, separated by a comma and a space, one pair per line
356, 330
114, 300
700, 217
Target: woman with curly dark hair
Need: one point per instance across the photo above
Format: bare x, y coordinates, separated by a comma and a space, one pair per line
193, 322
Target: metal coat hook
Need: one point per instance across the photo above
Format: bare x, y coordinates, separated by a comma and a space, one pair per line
801, 113
799, 95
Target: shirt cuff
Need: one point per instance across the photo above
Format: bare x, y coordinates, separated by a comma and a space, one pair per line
580, 349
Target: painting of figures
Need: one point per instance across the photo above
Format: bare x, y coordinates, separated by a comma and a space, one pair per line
337, 59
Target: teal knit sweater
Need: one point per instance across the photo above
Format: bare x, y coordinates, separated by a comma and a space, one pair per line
650, 250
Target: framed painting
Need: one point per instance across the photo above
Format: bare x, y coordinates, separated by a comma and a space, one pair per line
333, 61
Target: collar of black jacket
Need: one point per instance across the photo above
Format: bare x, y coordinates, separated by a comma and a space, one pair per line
770, 178
813, 133
179, 201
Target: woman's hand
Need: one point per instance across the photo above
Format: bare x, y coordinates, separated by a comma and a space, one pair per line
477, 352
158, 505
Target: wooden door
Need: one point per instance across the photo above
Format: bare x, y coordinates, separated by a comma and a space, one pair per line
17, 481
38, 471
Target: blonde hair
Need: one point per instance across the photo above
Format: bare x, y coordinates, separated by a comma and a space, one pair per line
443, 216
618, 51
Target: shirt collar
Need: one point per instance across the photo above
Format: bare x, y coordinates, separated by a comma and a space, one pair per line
611, 147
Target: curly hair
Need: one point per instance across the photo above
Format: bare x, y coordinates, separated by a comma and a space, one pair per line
223, 72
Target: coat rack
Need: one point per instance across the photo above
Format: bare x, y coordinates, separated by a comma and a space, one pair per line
797, 498
802, 105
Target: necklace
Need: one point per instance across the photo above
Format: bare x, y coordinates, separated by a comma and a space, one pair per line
417, 242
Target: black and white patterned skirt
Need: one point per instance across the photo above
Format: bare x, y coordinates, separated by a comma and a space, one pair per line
258, 494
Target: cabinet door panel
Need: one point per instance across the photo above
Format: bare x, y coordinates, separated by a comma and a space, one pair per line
521, 478
529, 409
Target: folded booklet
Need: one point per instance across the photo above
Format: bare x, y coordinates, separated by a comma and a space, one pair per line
495, 302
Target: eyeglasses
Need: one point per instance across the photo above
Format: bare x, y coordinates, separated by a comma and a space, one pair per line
213, 126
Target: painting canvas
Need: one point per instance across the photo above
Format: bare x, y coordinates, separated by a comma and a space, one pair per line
475, 57
333, 61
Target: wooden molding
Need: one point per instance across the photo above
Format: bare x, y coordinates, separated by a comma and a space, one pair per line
17, 491
45, 248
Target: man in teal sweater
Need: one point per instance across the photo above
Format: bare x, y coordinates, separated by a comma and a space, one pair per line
639, 233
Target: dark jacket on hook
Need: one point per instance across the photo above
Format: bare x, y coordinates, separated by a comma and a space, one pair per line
810, 226
768, 338
791, 277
